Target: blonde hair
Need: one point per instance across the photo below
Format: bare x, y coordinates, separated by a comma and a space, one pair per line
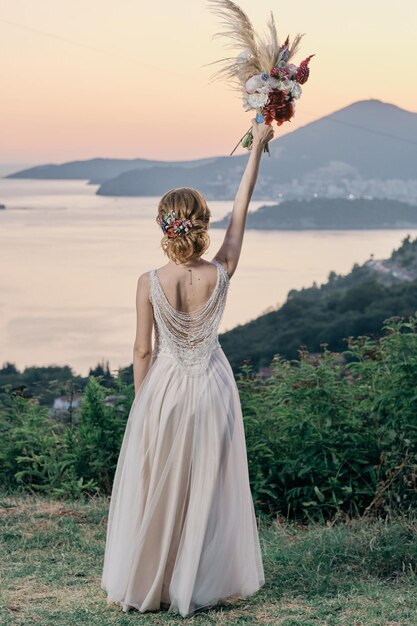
186, 203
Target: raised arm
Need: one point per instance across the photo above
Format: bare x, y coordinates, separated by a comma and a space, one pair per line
229, 251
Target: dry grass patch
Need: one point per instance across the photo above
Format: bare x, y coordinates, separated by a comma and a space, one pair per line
315, 576
30, 596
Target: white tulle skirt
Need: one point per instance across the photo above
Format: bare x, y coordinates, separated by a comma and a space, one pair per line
182, 529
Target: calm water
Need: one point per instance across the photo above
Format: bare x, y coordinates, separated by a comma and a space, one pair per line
70, 262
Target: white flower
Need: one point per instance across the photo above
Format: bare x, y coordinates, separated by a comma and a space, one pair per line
274, 83
257, 100
286, 84
291, 69
253, 83
265, 89
296, 90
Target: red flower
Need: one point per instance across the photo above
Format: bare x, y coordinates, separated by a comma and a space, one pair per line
277, 108
284, 114
304, 71
278, 72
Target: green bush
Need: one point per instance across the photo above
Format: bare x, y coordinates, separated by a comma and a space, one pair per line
67, 461
327, 435
36, 455
336, 433
98, 436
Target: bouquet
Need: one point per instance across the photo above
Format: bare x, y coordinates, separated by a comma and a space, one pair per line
262, 72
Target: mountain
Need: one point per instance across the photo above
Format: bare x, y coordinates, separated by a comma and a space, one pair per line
9, 168
375, 139
330, 214
368, 148
97, 170
352, 305
215, 180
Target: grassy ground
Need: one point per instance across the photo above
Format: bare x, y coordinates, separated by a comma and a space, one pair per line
352, 574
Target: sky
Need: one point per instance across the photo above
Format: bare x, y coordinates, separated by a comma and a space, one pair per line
87, 78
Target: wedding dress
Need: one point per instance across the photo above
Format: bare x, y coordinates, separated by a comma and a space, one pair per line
182, 530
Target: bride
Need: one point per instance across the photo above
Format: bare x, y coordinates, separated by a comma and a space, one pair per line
182, 531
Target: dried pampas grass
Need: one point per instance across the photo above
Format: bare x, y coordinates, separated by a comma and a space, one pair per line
258, 53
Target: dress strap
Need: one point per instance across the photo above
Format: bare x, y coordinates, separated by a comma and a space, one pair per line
152, 275
222, 269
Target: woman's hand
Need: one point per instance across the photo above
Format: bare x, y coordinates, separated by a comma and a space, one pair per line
262, 133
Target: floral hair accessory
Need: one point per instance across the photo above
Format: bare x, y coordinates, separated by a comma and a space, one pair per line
173, 226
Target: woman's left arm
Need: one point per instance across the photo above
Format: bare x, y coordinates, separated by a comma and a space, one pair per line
142, 349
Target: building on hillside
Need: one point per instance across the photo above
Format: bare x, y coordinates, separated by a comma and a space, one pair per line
65, 403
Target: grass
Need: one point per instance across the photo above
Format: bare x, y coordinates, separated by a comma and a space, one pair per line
355, 573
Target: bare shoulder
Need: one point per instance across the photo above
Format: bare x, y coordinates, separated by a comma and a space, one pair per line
143, 285
144, 279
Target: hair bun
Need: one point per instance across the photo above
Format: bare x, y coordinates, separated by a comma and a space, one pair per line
184, 217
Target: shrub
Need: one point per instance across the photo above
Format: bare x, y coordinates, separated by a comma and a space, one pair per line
333, 434
327, 435
67, 461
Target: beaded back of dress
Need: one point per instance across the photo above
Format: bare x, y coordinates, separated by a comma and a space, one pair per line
189, 338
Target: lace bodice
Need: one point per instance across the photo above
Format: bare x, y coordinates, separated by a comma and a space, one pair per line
189, 338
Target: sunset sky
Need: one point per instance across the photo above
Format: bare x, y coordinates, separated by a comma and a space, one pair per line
81, 79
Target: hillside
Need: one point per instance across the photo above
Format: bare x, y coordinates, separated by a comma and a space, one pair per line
368, 148
212, 179
326, 213
326, 157
97, 170
351, 305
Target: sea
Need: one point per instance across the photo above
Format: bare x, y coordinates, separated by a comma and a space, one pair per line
70, 259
